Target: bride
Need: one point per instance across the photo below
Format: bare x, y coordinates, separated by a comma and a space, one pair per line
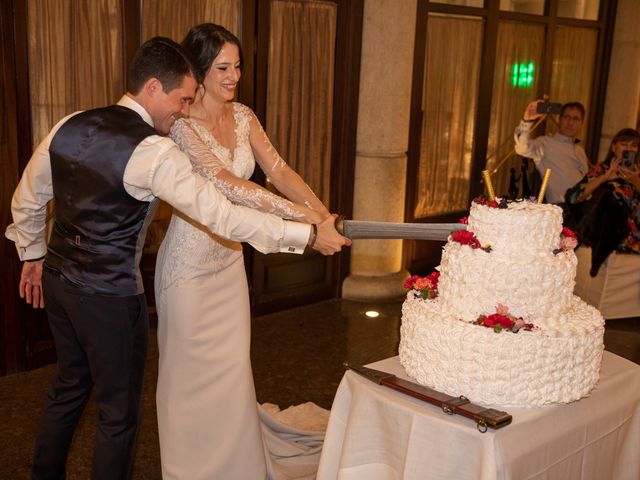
207, 413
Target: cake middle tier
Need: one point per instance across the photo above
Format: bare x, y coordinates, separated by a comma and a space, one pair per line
536, 287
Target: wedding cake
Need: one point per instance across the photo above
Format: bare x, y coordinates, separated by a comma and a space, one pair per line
498, 322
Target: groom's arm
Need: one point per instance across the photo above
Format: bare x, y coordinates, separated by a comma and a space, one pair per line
159, 169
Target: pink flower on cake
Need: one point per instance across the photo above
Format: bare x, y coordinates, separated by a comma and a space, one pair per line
422, 283
425, 287
568, 241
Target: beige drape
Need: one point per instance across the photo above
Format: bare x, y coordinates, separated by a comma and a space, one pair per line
574, 58
449, 107
300, 87
173, 19
75, 58
517, 43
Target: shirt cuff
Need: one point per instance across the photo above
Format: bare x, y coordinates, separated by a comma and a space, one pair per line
295, 238
25, 253
525, 126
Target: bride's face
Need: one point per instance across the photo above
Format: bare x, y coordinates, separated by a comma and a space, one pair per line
223, 76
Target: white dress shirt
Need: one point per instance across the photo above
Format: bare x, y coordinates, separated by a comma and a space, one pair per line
567, 160
157, 169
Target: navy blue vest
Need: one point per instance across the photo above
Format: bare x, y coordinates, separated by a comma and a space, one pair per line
99, 228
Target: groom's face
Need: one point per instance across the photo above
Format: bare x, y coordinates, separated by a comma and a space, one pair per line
168, 107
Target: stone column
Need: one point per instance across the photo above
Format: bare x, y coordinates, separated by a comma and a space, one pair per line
623, 87
381, 145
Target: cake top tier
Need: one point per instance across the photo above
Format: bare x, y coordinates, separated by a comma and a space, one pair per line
521, 226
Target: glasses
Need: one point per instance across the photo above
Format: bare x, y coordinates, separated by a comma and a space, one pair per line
570, 118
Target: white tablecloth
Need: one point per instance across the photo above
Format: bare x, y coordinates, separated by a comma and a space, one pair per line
376, 433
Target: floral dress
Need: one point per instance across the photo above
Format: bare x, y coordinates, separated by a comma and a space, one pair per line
626, 197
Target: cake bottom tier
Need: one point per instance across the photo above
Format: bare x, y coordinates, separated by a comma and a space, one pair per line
524, 369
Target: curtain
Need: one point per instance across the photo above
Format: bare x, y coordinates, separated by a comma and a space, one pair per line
449, 103
75, 58
574, 58
172, 19
518, 44
300, 87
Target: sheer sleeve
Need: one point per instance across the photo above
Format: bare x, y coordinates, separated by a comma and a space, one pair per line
283, 177
238, 190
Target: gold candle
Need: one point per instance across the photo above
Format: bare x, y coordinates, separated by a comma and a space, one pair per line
487, 183
543, 187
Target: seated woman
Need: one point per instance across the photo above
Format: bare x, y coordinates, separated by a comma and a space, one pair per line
605, 203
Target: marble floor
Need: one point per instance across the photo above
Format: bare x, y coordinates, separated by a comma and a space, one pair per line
297, 356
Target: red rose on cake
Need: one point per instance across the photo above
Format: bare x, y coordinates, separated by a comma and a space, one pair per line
465, 237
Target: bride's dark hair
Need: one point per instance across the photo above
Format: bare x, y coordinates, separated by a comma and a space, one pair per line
204, 42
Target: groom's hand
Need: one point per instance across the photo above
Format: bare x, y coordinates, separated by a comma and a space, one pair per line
329, 241
31, 283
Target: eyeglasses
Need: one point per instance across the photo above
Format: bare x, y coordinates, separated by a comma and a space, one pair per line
571, 118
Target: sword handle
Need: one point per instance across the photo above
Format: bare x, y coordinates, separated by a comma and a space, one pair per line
339, 224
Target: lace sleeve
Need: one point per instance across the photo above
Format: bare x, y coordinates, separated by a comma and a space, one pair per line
285, 179
242, 192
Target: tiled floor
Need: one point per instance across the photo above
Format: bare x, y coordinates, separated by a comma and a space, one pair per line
297, 355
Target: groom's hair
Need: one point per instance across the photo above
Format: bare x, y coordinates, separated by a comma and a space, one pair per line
160, 58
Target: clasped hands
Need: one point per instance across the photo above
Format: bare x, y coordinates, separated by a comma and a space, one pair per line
329, 241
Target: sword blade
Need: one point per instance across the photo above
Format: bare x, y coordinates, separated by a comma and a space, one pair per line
359, 229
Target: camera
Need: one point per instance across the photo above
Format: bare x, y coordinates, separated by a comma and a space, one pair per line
629, 159
549, 108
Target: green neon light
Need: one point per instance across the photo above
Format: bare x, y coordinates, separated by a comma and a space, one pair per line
522, 74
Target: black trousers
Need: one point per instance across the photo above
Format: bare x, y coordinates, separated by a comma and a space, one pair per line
100, 341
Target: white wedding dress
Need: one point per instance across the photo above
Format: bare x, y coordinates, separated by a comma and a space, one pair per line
208, 417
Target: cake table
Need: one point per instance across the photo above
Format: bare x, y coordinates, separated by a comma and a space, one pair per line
380, 434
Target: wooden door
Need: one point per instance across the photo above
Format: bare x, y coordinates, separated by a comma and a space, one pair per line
306, 96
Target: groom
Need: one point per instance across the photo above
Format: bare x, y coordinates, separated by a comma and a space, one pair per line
105, 168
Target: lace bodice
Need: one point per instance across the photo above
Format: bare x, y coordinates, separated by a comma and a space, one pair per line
188, 247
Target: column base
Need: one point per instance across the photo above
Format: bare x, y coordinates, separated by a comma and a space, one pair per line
375, 287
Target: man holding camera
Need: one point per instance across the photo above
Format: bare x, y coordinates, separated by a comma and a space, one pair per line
560, 152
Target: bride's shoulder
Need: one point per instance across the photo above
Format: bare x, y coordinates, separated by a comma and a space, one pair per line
242, 109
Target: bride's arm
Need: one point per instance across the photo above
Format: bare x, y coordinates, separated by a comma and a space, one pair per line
238, 190
283, 177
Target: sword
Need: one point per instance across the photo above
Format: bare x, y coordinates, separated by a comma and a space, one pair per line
484, 417
407, 231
